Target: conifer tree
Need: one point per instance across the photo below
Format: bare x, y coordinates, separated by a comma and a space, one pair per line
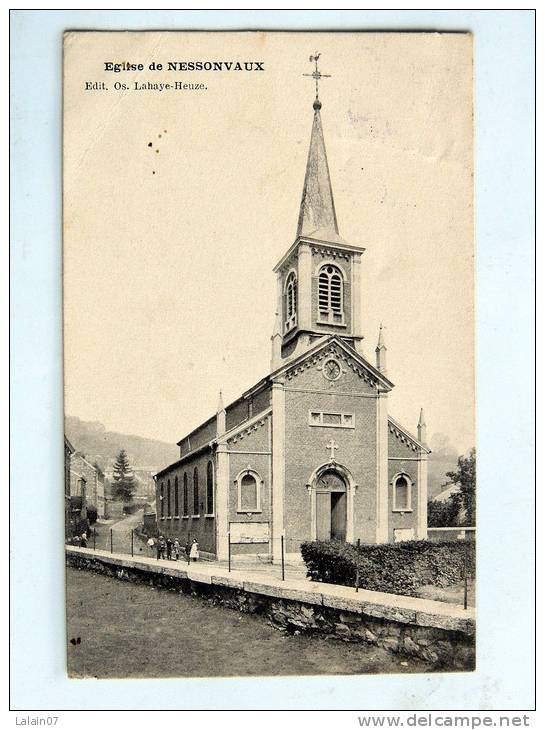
124, 482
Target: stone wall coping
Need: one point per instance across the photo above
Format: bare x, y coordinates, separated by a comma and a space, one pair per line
403, 609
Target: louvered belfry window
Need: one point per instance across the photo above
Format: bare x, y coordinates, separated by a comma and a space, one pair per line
291, 302
330, 295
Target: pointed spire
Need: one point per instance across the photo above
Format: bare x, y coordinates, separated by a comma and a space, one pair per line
380, 343
220, 416
380, 351
422, 427
276, 342
317, 217
277, 326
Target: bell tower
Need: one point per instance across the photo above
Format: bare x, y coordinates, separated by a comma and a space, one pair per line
318, 278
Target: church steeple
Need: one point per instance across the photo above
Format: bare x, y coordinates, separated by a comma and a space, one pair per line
317, 217
318, 278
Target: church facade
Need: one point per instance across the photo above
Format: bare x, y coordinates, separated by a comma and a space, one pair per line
310, 451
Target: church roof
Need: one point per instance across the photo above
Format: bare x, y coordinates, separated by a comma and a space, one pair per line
317, 217
395, 426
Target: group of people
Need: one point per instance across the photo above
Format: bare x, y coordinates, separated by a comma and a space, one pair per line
168, 549
80, 540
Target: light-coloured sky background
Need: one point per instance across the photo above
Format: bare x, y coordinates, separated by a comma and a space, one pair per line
169, 293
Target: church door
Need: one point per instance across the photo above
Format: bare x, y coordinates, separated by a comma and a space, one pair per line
338, 516
330, 507
323, 515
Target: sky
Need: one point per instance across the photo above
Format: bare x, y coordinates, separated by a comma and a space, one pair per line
168, 249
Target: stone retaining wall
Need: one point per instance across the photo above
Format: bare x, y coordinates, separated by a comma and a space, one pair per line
447, 643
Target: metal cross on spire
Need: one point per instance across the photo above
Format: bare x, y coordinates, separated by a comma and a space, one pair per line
316, 75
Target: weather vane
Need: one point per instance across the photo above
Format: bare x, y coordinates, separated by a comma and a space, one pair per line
316, 75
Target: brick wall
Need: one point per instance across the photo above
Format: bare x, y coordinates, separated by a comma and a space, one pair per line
184, 528
242, 456
236, 413
306, 447
81, 467
404, 462
197, 438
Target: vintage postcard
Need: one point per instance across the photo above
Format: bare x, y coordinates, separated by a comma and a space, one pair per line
269, 353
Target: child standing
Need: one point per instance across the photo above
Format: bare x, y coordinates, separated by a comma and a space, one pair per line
194, 552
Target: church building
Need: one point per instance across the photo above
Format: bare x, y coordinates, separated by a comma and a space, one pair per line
309, 452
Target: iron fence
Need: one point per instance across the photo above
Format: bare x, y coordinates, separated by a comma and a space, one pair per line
283, 562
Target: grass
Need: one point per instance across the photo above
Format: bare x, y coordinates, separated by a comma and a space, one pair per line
133, 630
452, 594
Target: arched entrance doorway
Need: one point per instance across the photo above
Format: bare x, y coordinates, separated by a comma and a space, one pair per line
331, 489
331, 506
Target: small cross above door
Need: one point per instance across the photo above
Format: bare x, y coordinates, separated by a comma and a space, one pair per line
332, 446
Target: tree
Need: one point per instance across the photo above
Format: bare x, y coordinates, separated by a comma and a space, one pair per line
124, 483
442, 514
100, 473
464, 477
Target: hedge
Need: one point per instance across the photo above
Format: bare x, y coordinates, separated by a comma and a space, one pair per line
400, 567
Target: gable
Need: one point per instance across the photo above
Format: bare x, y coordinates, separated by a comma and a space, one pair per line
332, 366
401, 442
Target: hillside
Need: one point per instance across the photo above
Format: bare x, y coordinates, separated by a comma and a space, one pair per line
443, 458
102, 446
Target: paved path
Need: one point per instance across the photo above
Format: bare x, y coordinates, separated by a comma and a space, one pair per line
121, 534
404, 609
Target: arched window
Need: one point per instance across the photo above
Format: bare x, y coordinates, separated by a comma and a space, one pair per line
176, 499
169, 509
209, 489
402, 493
249, 491
162, 499
185, 498
330, 295
195, 492
290, 307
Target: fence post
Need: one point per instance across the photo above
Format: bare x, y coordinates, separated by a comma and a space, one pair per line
132, 543
358, 543
282, 554
465, 572
111, 540
229, 551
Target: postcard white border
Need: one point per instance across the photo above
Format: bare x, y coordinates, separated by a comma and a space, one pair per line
504, 72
